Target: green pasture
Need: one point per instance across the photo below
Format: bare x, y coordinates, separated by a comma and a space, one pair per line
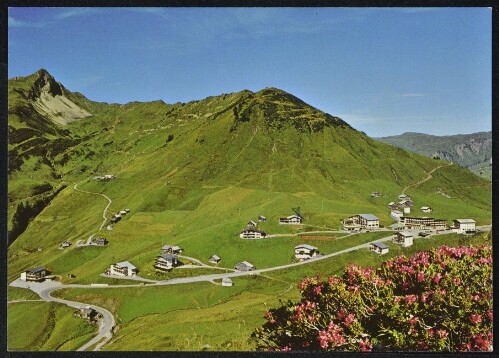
54, 329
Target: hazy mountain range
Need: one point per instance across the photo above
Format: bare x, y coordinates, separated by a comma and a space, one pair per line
473, 151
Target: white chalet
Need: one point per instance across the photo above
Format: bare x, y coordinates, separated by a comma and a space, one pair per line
123, 268
426, 209
166, 262
251, 233
404, 238
292, 219
464, 226
226, 281
379, 248
36, 274
396, 215
305, 251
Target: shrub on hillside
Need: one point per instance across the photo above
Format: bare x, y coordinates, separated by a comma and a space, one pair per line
437, 300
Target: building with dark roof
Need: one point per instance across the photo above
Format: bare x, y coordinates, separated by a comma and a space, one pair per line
245, 266
379, 248
35, 274
166, 262
305, 251
361, 221
251, 233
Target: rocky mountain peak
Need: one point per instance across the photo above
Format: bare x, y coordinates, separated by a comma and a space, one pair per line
45, 83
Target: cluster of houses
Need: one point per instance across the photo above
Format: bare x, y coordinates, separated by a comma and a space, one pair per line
251, 231
168, 258
406, 222
164, 262
105, 177
405, 204
117, 217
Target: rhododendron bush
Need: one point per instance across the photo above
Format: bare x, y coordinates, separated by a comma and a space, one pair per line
437, 300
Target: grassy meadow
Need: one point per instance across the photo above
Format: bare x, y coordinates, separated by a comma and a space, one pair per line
54, 329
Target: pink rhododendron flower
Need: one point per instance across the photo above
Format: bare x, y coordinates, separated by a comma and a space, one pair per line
437, 278
442, 333
410, 299
349, 319
365, 345
475, 318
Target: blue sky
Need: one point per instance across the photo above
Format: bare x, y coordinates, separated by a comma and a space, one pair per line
384, 70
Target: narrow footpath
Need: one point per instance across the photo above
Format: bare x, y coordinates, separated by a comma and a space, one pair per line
425, 179
104, 213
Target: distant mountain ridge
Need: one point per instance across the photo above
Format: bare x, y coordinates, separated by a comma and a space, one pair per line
472, 151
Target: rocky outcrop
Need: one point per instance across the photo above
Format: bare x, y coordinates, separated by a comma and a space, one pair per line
50, 99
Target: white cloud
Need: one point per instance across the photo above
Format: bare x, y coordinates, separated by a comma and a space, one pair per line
53, 18
13, 22
73, 12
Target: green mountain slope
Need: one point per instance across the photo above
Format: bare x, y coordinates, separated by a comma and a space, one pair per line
472, 151
195, 173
